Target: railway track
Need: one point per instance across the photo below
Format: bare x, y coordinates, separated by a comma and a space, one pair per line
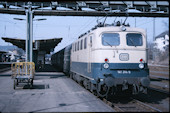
159, 89
132, 106
159, 76
128, 104
141, 103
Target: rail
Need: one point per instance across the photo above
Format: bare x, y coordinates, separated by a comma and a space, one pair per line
165, 66
133, 106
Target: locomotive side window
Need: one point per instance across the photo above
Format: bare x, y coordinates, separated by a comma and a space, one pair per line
110, 39
85, 43
134, 39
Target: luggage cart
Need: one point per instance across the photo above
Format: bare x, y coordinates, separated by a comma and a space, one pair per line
23, 72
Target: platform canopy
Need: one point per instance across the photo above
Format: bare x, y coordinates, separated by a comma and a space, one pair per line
47, 45
89, 8
3, 52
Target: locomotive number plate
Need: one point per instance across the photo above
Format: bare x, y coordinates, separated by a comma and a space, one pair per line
124, 56
123, 71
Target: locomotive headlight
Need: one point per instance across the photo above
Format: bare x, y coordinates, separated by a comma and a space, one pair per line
106, 66
141, 65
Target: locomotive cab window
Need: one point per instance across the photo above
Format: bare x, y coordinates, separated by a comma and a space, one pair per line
134, 39
110, 39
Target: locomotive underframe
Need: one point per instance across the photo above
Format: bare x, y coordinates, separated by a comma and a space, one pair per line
134, 85
113, 85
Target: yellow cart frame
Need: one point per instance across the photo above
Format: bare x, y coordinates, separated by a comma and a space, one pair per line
23, 72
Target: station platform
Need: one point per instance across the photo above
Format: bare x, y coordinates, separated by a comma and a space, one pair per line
52, 92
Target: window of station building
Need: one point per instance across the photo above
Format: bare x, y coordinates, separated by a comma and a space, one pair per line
77, 45
134, 39
81, 45
91, 41
85, 43
72, 47
110, 39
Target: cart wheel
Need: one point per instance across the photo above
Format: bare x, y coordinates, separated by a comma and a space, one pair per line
14, 83
31, 81
28, 84
31, 85
17, 82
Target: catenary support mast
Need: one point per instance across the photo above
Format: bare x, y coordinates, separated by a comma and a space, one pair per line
29, 40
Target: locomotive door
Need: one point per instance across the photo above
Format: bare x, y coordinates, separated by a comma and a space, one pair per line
89, 55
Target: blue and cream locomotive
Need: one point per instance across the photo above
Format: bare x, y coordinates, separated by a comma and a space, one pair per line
108, 59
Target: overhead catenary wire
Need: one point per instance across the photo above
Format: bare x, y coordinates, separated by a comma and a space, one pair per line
68, 41
71, 40
85, 26
144, 23
16, 24
6, 27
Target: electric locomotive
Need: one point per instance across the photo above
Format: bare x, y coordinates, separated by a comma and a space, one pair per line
110, 59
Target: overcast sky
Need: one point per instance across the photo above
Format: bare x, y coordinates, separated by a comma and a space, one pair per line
69, 27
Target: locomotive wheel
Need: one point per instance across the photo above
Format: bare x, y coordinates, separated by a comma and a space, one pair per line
71, 75
85, 83
74, 77
104, 90
94, 92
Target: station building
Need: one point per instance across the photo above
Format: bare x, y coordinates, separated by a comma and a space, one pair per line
40, 48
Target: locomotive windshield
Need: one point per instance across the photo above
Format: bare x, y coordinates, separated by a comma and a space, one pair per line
134, 39
110, 39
